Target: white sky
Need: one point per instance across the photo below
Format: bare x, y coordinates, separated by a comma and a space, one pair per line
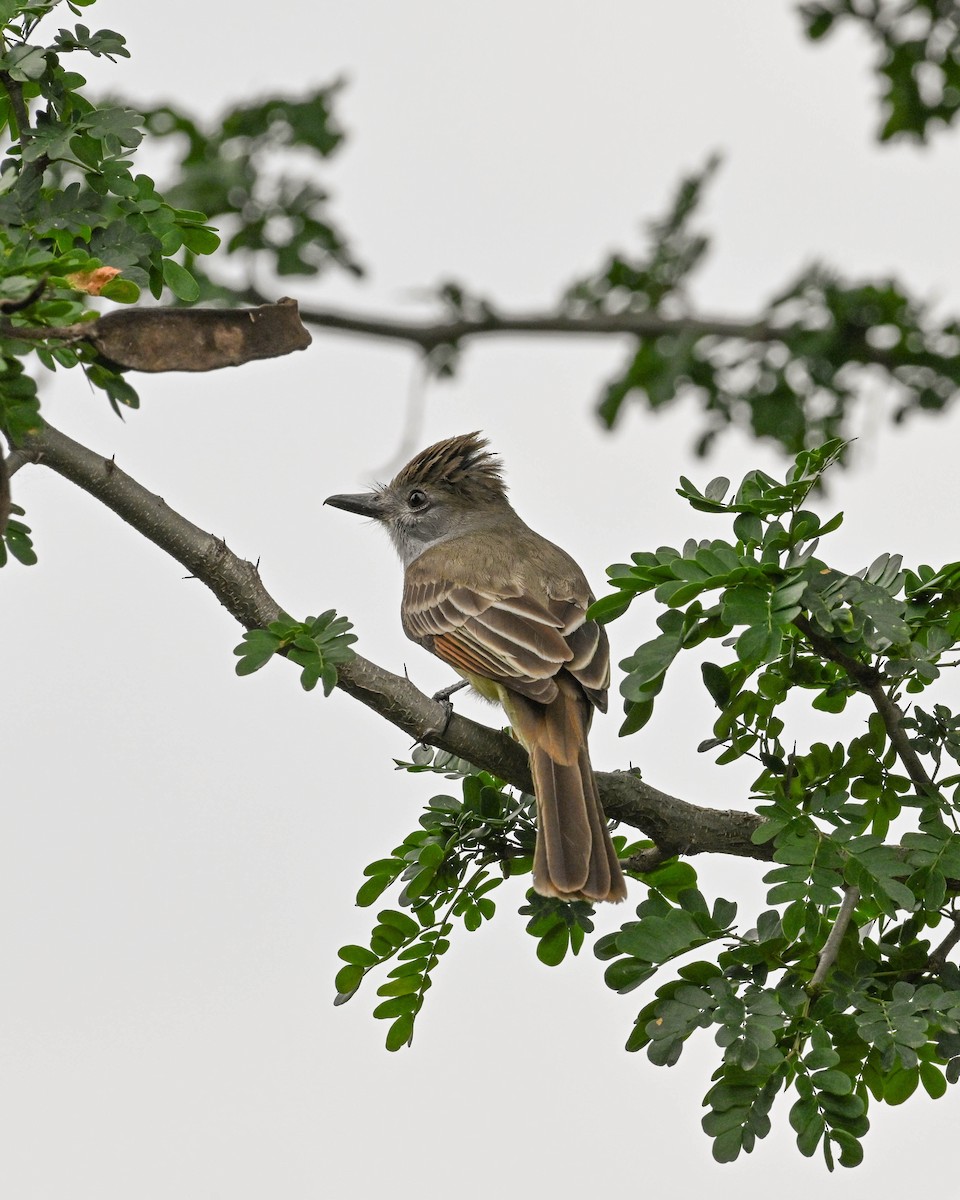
179, 848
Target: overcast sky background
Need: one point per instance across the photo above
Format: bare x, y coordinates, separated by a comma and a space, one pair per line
179, 848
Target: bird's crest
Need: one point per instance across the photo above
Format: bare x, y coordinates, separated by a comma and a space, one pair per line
462, 464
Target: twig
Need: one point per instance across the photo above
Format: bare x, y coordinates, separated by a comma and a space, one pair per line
24, 134
21, 113
938, 957
646, 860
672, 823
892, 716
13, 306
831, 949
40, 333
428, 335
868, 680
5, 500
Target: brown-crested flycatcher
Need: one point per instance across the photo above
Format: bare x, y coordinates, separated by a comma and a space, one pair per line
507, 610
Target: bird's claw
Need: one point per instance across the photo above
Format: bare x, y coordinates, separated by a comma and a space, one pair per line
445, 693
443, 697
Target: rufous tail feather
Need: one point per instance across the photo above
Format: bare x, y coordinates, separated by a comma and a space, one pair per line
574, 857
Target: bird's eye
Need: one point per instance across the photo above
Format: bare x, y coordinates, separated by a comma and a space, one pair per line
418, 499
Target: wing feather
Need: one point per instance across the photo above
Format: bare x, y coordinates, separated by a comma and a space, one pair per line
508, 636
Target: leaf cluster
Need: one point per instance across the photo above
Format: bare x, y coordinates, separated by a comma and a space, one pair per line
318, 645
919, 59
15, 540
790, 376
445, 873
882, 1022
245, 169
839, 993
76, 219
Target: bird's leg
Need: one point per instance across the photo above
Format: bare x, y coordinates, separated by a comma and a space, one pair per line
443, 697
445, 693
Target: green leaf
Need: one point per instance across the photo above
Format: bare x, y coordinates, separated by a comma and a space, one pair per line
255, 651
656, 939
933, 1081
349, 979
746, 604
758, 644
407, 926
851, 1151
199, 240
400, 1032
608, 608
358, 955
552, 949
372, 890
836, 1082
121, 291
647, 663
24, 63
748, 527
180, 281
625, 974
901, 1085
726, 1148
717, 488
808, 1138
717, 683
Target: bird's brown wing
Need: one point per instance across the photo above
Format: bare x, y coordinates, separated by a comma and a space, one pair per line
507, 636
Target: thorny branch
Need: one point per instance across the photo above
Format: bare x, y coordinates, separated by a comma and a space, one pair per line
675, 825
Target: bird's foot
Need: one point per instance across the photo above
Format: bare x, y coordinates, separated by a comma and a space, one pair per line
443, 697
445, 693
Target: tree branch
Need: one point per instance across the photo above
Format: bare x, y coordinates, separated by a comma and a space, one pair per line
868, 679
675, 825
938, 957
24, 132
828, 956
430, 334
21, 114
5, 499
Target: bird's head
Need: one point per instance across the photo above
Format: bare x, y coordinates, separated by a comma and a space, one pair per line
451, 488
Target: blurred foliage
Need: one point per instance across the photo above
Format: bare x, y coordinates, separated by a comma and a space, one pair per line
251, 171
919, 62
793, 372
864, 834
72, 207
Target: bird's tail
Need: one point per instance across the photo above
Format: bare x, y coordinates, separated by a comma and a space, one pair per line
574, 857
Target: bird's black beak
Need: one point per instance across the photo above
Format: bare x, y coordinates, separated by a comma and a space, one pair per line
367, 504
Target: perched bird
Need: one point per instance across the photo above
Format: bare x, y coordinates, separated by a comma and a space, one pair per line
507, 610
